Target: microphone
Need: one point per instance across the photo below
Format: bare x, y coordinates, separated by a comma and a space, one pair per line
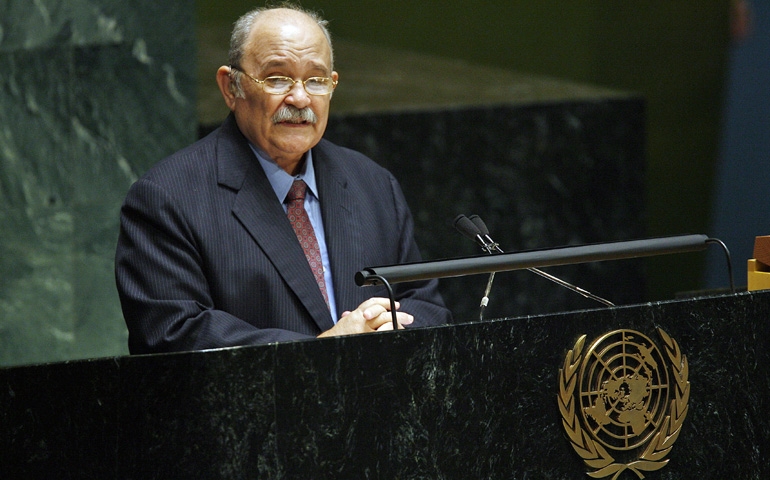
479, 223
474, 227
466, 226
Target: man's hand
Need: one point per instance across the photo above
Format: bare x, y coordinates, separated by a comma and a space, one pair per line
371, 316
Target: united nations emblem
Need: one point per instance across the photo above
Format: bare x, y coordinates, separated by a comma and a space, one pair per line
623, 401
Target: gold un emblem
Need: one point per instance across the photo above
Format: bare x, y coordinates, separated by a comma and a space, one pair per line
623, 401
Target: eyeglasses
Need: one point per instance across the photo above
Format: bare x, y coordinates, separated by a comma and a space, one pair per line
280, 85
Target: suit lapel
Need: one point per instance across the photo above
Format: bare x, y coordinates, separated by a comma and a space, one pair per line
262, 215
338, 207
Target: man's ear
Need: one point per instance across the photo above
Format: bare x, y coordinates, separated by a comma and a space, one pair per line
226, 86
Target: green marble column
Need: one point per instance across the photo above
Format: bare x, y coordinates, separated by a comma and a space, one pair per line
92, 92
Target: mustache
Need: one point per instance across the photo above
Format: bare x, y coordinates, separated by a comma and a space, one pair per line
290, 113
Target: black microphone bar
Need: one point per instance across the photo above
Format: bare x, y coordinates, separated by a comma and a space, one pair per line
531, 259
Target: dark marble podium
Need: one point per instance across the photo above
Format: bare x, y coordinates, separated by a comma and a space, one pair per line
473, 400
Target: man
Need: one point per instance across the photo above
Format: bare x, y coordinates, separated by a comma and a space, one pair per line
207, 256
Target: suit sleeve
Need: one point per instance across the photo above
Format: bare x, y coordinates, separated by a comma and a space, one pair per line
163, 289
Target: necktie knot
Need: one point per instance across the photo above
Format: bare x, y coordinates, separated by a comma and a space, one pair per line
297, 191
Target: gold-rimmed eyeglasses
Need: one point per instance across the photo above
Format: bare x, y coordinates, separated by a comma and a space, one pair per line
280, 85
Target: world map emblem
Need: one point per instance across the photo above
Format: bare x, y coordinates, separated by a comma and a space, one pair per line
623, 401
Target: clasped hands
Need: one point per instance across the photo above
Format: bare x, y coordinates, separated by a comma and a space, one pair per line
373, 315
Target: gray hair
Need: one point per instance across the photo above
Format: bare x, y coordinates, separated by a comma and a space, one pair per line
242, 29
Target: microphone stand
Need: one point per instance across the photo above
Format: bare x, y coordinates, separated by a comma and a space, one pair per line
474, 228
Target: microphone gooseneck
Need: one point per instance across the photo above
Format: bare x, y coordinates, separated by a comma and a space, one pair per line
474, 227
728, 258
470, 229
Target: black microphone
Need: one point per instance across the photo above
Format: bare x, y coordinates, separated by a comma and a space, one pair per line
481, 230
479, 223
465, 226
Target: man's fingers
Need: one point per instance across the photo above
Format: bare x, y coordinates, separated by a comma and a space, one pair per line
387, 320
373, 314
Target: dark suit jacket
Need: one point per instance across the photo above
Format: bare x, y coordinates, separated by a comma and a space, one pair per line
206, 257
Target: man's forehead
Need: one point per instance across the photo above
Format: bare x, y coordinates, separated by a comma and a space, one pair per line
282, 19
271, 30
274, 46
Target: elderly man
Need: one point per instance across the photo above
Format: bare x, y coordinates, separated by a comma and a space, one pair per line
254, 234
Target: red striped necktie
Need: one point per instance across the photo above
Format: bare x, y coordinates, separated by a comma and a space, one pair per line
305, 233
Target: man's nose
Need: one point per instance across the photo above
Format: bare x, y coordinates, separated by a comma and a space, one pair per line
298, 96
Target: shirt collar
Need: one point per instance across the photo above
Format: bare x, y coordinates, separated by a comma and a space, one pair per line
280, 180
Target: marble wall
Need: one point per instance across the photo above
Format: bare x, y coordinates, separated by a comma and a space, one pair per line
92, 92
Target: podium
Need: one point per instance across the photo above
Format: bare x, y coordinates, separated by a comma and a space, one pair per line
471, 400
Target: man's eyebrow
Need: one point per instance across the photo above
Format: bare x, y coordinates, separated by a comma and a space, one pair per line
274, 64
282, 63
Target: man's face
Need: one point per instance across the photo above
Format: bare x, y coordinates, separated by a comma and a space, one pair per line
283, 44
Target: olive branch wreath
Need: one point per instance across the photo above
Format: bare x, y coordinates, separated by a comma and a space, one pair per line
593, 453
